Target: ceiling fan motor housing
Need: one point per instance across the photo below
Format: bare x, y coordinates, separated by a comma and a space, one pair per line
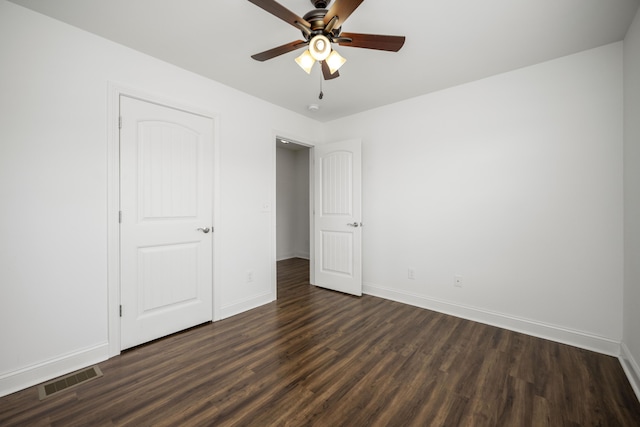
320, 4
316, 19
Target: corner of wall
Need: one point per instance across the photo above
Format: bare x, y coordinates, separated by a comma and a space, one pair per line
630, 347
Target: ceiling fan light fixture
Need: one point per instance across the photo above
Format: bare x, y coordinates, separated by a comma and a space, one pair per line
306, 61
319, 47
335, 61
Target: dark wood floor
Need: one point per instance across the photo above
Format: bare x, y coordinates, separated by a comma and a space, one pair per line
317, 357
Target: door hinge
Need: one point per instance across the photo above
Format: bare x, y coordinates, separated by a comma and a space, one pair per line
120, 310
120, 217
119, 122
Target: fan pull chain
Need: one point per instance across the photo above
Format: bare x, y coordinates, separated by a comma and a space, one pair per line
321, 94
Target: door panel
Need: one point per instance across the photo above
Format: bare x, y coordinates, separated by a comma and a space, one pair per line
337, 253
169, 178
166, 197
160, 268
337, 229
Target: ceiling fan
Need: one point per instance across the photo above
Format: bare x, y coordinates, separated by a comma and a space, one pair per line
320, 28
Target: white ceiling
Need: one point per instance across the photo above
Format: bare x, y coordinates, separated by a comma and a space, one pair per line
449, 42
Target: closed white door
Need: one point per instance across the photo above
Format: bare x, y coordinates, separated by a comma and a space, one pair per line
166, 202
337, 217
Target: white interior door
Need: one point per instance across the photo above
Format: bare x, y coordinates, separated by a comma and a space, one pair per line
337, 217
166, 198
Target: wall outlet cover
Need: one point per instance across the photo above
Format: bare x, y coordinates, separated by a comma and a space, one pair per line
457, 281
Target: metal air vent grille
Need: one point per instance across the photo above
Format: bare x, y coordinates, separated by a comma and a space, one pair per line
66, 382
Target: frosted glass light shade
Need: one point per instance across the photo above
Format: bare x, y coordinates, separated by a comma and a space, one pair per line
320, 47
335, 61
306, 61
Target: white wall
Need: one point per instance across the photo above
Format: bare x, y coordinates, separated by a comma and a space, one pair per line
301, 223
285, 199
292, 203
53, 189
631, 338
513, 182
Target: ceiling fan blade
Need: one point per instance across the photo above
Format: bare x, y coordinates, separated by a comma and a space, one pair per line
373, 41
342, 9
280, 50
279, 11
326, 72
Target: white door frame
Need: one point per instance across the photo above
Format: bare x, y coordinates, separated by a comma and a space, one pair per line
113, 201
274, 228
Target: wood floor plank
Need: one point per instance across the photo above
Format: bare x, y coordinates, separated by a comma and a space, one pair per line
322, 358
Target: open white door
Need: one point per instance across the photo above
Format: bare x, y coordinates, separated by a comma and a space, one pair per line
166, 181
337, 216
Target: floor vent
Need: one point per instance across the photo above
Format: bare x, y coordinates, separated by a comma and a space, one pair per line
68, 381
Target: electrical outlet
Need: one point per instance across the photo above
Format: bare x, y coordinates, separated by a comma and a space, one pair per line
411, 274
250, 276
457, 281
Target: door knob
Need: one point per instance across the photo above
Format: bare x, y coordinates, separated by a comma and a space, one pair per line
204, 230
354, 224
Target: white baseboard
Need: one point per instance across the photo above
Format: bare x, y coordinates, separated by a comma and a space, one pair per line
631, 368
245, 305
297, 255
525, 326
18, 380
282, 257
